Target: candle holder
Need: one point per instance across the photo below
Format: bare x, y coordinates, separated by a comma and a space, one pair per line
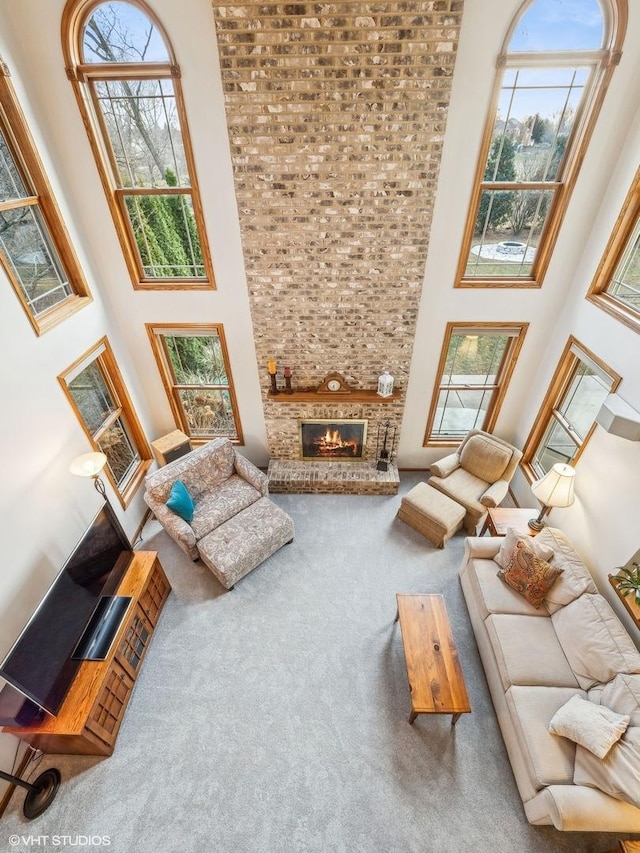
287, 381
274, 384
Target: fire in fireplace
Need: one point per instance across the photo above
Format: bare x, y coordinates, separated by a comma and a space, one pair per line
325, 439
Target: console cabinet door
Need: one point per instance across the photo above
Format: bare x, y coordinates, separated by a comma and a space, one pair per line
135, 641
108, 710
155, 593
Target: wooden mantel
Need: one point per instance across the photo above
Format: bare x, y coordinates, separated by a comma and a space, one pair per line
312, 395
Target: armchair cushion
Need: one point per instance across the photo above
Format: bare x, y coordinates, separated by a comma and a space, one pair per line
484, 457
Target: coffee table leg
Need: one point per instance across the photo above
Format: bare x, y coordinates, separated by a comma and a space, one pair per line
454, 718
397, 614
412, 717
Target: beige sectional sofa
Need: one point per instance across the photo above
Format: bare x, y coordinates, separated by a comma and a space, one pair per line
535, 660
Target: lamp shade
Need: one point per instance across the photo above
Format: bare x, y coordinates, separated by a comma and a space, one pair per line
88, 464
556, 487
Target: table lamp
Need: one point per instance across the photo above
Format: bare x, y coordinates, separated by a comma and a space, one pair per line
554, 489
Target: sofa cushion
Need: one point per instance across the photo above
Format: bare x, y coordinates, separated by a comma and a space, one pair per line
485, 458
595, 727
201, 471
228, 499
575, 578
548, 759
530, 576
491, 595
510, 541
618, 774
528, 652
622, 694
609, 649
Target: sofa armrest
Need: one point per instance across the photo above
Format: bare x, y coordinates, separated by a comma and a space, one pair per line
482, 547
179, 530
495, 494
249, 472
576, 808
445, 466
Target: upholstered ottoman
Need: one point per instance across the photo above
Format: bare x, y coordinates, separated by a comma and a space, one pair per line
235, 548
431, 513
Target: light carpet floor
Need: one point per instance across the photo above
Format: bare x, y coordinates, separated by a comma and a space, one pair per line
273, 718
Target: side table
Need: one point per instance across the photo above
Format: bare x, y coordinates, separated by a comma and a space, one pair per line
500, 518
171, 446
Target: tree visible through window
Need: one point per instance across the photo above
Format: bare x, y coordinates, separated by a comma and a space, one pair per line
194, 366
555, 61
475, 367
40, 268
97, 393
133, 86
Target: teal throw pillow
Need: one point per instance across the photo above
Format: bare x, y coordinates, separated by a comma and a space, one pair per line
180, 501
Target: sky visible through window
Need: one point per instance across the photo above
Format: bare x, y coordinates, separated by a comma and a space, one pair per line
559, 25
130, 35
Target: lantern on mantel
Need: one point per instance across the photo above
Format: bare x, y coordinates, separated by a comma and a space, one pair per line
385, 384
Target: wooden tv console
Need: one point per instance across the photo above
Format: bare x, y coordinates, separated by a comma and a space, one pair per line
90, 716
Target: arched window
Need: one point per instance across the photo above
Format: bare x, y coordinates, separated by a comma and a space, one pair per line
553, 71
127, 83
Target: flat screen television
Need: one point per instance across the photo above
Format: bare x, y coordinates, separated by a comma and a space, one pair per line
45, 658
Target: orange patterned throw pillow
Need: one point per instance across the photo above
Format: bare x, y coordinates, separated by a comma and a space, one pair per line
529, 575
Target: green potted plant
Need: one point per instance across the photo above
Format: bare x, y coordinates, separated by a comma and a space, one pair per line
628, 580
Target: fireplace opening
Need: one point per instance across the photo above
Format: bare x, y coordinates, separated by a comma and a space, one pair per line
338, 439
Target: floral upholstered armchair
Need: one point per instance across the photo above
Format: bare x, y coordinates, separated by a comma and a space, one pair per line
477, 475
221, 482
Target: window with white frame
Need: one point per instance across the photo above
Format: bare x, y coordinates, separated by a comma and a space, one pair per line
476, 364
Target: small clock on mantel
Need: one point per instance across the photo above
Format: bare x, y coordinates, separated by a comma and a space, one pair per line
334, 383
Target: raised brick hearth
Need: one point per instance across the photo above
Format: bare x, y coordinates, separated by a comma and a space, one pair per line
348, 478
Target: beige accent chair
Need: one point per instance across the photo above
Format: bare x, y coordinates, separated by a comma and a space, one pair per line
477, 475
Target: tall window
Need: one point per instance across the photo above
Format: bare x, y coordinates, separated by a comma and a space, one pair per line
35, 249
567, 418
616, 286
99, 398
128, 87
553, 72
194, 365
475, 367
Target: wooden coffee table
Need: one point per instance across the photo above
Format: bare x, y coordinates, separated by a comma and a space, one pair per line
433, 669
499, 518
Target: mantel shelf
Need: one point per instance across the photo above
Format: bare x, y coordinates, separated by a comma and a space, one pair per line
311, 395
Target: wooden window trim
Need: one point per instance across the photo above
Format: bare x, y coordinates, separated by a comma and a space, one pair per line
114, 381
18, 136
603, 62
560, 382
504, 374
618, 241
81, 75
157, 333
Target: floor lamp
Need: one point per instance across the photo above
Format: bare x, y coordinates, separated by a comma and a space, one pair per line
554, 489
90, 465
40, 792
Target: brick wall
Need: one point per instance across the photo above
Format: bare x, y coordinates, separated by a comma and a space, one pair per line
336, 114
